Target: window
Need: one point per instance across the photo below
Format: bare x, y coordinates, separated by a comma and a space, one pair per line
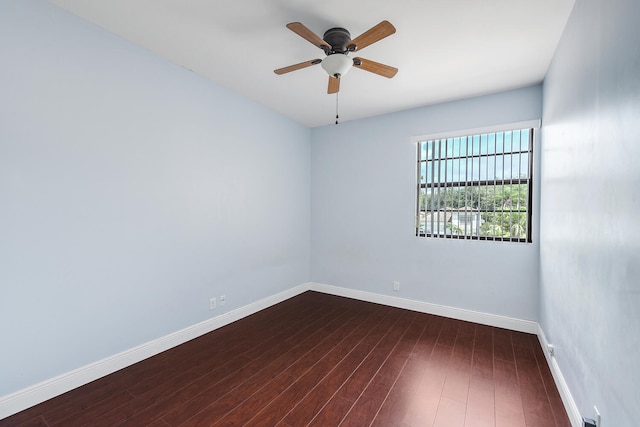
476, 186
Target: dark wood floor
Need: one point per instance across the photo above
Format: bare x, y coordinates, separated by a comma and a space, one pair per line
323, 360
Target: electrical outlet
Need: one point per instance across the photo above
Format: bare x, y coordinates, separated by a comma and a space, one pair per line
223, 299
396, 286
551, 349
213, 303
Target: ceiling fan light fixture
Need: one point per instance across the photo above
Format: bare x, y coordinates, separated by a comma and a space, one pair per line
337, 64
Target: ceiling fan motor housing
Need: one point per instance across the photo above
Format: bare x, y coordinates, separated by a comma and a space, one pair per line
337, 44
337, 38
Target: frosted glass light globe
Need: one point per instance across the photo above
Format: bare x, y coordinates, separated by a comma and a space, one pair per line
337, 63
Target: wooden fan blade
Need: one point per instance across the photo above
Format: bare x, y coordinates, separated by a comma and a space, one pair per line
308, 35
295, 67
334, 85
375, 67
377, 33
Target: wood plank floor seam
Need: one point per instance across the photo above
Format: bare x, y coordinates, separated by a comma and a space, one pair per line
323, 360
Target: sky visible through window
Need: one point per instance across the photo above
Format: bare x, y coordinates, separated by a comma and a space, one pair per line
476, 186
457, 165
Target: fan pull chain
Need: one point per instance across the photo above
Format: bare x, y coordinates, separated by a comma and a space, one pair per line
337, 116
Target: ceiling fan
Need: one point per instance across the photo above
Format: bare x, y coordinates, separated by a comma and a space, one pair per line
337, 44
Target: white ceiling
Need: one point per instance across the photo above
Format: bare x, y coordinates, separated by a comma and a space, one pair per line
444, 49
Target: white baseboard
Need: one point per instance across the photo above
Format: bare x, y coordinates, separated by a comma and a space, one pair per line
569, 404
38, 393
425, 307
470, 316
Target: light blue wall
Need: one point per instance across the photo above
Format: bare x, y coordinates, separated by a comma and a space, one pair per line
363, 189
131, 191
590, 209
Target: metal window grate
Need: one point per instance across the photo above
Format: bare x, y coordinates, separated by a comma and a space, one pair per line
476, 187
